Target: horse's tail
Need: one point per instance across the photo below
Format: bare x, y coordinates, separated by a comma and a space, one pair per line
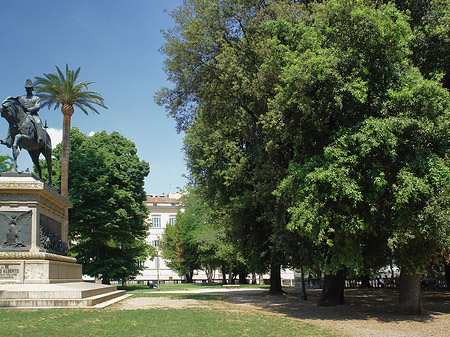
47, 141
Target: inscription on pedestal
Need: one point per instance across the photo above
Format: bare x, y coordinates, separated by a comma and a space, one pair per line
9, 272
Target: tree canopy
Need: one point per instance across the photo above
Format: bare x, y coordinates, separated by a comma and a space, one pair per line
108, 221
237, 153
318, 126
63, 90
197, 240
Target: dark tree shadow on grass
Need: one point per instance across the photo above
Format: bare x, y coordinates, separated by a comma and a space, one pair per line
379, 304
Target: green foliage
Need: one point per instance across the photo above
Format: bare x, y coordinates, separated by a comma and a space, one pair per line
56, 89
336, 111
430, 21
197, 239
6, 163
220, 59
178, 249
107, 223
367, 141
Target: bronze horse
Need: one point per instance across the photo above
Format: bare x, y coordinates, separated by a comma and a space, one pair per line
23, 135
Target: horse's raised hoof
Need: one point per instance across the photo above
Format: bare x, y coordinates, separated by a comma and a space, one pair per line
5, 142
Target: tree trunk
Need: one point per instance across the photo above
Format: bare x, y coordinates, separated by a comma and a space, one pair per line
275, 280
189, 277
67, 111
209, 271
230, 274
410, 296
253, 278
333, 289
243, 278
365, 282
224, 275
447, 273
261, 279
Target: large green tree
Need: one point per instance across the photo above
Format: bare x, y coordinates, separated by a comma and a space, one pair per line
237, 153
62, 90
371, 154
108, 226
335, 109
178, 247
339, 64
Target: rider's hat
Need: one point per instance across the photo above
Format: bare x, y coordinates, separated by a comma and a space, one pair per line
28, 84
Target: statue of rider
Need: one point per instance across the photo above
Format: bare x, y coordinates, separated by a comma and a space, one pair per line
31, 105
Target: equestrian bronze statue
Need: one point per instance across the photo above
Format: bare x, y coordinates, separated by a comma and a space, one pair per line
25, 129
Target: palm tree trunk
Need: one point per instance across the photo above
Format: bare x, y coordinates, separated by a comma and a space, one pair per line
67, 111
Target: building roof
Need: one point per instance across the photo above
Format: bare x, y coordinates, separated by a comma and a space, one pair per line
163, 200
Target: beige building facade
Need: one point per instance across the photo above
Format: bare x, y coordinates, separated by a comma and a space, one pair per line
163, 211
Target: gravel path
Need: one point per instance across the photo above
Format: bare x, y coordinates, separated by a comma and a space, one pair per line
369, 312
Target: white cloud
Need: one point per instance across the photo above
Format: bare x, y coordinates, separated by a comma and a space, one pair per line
55, 136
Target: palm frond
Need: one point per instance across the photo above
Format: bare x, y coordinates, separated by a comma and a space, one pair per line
56, 89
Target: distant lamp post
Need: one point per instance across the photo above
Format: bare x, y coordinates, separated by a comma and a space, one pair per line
157, 267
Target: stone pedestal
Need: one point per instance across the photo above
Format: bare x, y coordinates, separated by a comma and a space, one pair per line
37, 212
33, 232
34, 270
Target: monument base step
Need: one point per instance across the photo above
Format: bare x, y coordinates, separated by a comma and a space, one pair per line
75, 294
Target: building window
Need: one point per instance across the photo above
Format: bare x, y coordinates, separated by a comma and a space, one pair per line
155, 243
156, 222
172, 220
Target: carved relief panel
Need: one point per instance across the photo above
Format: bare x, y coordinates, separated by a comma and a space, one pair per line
15, 231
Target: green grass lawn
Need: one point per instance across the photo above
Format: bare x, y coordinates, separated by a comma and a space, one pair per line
153, 322
171, 322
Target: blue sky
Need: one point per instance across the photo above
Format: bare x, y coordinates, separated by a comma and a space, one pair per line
116, 45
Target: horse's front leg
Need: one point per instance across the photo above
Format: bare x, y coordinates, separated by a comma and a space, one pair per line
15, 147
15, 166
16, 153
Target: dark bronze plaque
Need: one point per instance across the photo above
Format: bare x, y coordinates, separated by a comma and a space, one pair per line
15, 231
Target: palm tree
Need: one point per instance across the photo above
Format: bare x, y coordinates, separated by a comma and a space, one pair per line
57, 90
